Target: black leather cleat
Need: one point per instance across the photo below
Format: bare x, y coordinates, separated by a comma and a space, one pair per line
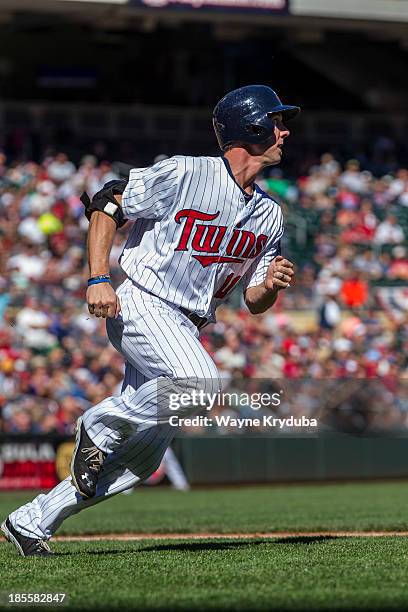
27, 547
86, 464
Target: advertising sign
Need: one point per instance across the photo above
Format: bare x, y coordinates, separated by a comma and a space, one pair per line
33, 463
275, 6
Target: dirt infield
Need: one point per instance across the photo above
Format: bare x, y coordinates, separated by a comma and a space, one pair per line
124, 537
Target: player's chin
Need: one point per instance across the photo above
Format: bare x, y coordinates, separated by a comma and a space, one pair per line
276, 159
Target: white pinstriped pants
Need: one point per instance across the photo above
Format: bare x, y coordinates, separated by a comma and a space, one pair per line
161, 346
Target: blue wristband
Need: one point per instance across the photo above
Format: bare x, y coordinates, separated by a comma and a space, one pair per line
98, 279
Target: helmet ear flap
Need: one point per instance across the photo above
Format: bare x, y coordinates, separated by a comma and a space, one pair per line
219, 125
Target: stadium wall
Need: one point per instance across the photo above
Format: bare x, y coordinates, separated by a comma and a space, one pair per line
28, 462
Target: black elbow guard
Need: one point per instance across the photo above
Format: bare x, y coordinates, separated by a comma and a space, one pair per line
105, 201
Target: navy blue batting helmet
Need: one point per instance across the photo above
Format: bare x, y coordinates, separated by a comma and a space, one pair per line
244, 115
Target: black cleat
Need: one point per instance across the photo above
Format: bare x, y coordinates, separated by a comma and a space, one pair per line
86, 464
27, 547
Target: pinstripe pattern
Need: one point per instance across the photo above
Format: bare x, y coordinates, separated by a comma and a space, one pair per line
159, 343
42, 517
156, 340
153, 197
163, 355
256, 273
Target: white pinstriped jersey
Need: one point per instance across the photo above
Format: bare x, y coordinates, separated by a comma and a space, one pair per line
197, 233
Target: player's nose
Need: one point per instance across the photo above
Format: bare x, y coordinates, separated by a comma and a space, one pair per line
283, 131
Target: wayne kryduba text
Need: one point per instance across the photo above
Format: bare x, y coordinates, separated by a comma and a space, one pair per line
242, 423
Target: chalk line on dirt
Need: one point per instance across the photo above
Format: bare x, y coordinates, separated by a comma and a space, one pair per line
124, 537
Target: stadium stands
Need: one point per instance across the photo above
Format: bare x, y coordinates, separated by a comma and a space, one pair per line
345, 317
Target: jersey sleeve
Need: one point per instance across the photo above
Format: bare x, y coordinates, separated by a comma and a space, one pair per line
150, 191
256, 273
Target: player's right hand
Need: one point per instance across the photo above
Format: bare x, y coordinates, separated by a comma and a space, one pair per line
279, 274
102, 300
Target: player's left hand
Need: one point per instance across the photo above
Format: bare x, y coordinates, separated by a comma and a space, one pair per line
280, 274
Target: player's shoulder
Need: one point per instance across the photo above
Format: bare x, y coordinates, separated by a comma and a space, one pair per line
198, 159
191, 163
267, 196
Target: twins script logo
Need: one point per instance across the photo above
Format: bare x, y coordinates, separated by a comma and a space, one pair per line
207, 239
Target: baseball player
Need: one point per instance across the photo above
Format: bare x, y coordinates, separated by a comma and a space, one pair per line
171, 468
201, 225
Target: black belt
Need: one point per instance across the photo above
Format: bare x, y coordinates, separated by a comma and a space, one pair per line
198, 321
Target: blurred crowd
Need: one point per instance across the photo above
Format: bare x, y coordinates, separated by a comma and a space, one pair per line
344, 318
353, 228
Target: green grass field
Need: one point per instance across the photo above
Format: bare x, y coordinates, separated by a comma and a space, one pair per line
307, 572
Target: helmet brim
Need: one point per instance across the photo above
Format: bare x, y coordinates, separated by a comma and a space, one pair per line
288, 112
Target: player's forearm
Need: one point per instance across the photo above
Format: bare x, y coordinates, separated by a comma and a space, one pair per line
101, 233
259, 298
